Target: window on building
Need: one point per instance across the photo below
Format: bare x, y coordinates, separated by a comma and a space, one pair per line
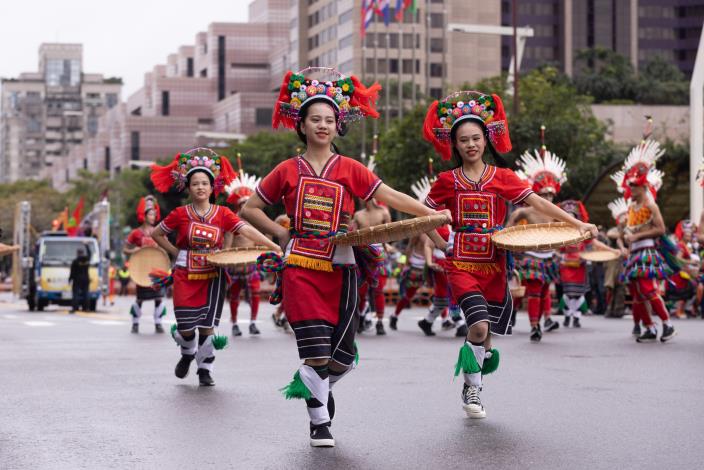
346, 67
347, 41
92, 125
165, 104
263, 116
346, 16
107, 158
204, 73
110, 100
189, 67
63, 72
34, 124
436, 93
437, 20
393, 41
221, 67
408, 66
134, 145
435, 70
436, 44
393, 66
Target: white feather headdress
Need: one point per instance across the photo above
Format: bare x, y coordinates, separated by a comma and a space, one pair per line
543, 173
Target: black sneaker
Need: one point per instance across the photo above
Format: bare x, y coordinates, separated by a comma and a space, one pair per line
636, 330
380, 328
331, 405
183, 365
648, 337
204, 378
471, 403
668, 332
367, 323
320, 435
575, 323
135, 328
462, 331
392, 322
284, 324
158, 328
426, 326
535, 334
550, 325
236, 330
253, 330
567, 321
447, 325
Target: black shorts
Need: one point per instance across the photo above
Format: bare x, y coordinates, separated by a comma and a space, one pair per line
477, 309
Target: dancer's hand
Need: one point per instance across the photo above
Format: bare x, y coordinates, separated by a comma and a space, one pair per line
446, 213
589, 228
630, 237
435, 267
283, 236
624, 252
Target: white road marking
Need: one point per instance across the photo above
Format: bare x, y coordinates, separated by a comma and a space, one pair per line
10, 317
38, 323
108, 322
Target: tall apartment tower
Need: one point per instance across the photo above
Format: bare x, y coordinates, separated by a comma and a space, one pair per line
46, 113
637, 29
419, 49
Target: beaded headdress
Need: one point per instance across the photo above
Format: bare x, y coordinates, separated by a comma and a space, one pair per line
618, 208
198, 159
147, 203
444, 115
576, 209
241, 188
683, 226
639, 169
546, 174
347, 95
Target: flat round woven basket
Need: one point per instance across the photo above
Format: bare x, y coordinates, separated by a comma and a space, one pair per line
598, 256
392, 231
518, 292
538, 237
237, 257
7, 249
144, 261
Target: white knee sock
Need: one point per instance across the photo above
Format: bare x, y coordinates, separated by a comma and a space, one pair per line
188, 347
206, 354
476, 378
159, 313
136, 312
319, 388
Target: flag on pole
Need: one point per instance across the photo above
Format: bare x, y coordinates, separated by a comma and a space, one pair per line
75, 220
367, 14
383, 8
403, 5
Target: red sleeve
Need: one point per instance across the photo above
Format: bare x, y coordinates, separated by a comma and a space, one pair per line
441, 191
512, 188
231, 223
172, 221
135, 238
361, 181
271, 188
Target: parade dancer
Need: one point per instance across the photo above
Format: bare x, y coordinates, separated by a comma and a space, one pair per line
463, 126
545, 172
681, 286
148, 214
318, 190
246, 279
615, 292
412, 276
649, 250
200, 228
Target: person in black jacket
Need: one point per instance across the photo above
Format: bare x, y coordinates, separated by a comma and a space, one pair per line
79, 281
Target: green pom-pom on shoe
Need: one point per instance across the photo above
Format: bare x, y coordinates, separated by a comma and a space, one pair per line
356, 354
173, 331
491, 363
466, 362
296, 389
219, 342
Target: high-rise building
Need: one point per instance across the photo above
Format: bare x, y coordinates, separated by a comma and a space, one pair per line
637, 29
46, 113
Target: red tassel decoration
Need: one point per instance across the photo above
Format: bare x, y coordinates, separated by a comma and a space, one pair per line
444, 149
277, 119
227, 174
140, 210
162, 176
583, 212
365, 98
502, 140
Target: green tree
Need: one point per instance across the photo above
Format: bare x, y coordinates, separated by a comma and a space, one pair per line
605, 75
660, 82
47, 204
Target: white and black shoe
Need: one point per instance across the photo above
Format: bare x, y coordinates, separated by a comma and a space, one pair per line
135, 328
447, 325
426, 326
204, 378
236, 330
576, 323
471, 403
636, 330
649, 336
550, 325
668, 332
566, 323
253, 330
183, 365
380, 331
320, 435
393, 321
535, 334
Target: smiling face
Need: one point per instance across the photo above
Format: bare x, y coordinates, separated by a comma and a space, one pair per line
319, 125
470, 142
150, 217
199, 187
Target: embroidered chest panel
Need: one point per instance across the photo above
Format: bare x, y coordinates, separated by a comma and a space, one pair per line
474, 208
202, 239
318, 209
638, 217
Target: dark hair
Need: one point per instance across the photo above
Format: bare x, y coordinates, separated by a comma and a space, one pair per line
210, 178
498, 159
303, 113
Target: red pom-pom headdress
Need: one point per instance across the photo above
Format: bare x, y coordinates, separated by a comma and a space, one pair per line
546, 174
683, 226
576, 209
347, 95
198, 159
147, 203
639, 169
241, 188
458, 107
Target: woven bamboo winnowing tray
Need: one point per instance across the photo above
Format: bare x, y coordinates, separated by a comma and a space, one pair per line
392, 231
538, 237
518, 292
144, 261
7, 249
598, 256
237, 257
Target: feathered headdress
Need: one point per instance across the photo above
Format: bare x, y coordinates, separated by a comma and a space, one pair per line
576, 209
639, 169
458, 107
198, 159
683, 226
347, 95
618, 208
421, 188
145, 204
241, 188
546, 174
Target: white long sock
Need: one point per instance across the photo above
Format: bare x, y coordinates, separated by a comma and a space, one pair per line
319, 388
479, 354
159, 313
336, 378
136, 312
189, 346
206, 351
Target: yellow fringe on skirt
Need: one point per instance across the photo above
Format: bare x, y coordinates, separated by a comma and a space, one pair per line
481, 268
309, 263
200, 277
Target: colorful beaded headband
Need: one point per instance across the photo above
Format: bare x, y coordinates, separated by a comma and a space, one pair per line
198, 159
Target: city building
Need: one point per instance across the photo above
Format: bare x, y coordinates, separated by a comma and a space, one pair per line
46, 113
637, 29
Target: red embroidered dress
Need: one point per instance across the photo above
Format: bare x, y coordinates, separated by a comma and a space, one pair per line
199, 287
474, 265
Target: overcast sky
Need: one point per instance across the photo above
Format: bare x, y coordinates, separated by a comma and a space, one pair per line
123, 38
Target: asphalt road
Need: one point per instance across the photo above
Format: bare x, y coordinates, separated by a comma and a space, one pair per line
80, 391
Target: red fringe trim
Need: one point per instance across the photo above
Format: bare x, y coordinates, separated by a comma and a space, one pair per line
162, 175
365, 98
429, 124
227, 174
277, 119
503, 141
